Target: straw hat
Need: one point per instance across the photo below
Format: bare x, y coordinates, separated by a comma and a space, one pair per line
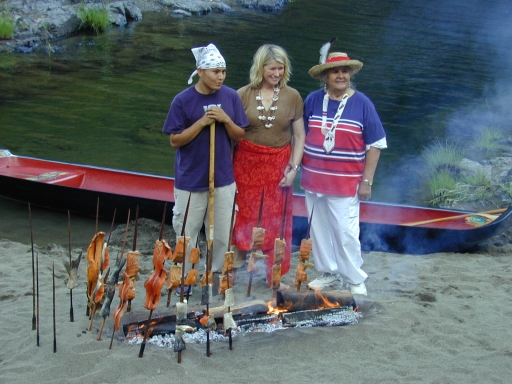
335, 59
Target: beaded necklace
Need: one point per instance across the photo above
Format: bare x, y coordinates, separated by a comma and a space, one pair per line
273, 107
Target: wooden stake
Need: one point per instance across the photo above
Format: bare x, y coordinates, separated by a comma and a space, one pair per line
37, 299
54, 312
143, 345
258, 225
71, 312
34, 326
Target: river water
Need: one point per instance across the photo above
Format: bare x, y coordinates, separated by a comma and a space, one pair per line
436, 70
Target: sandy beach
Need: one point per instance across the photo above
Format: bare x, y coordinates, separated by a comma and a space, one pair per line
440, 318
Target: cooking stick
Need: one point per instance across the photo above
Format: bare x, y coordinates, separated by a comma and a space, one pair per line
112, 226
228, 272
134, 248
162, 225
143, 345
260, 213
97, 213
71, 312
37, 299
307, 237
454, 217
33, 270
54, 314
182, 293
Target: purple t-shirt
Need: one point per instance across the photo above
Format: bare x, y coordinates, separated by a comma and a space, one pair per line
191, 166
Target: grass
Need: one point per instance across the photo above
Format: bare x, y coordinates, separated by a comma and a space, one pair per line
6, 26
93, 18
490, 142
443, 156
448, 182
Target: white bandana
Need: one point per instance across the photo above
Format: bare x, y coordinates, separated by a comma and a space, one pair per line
207, 58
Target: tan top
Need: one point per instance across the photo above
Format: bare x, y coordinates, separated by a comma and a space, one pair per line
290, 109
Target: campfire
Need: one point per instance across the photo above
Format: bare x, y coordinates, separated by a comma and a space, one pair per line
288, 310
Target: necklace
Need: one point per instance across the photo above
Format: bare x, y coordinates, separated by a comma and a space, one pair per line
329, 132
273, 107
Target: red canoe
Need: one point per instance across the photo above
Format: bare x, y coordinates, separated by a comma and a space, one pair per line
384, 227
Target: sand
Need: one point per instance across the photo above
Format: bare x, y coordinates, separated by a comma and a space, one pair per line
436, 318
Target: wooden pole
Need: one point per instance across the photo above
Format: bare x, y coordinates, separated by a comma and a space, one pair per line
211, 220
495, 211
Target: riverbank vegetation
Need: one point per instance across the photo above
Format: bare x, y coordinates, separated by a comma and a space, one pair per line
6, 25
95, 18
456, 174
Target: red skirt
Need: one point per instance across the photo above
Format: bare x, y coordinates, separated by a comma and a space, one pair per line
259, 168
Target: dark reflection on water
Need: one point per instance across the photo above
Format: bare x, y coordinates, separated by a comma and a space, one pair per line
431, 68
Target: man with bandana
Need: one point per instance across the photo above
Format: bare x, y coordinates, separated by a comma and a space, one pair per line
188, 123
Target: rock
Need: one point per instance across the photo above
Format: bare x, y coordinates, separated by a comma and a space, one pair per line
40, 22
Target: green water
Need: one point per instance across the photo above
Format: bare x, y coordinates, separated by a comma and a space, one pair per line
102, 100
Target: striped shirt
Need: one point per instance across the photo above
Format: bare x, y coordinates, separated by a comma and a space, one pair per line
339, 172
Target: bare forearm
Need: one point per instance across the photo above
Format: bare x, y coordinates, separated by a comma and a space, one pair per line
372, 159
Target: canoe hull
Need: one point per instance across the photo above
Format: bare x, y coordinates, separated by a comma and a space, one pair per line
84, 190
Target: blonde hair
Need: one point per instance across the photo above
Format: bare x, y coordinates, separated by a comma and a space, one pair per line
265, 55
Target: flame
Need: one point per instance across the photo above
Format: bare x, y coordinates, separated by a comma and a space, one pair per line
325, 301
273, 309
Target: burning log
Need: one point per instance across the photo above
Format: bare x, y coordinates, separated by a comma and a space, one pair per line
297, 301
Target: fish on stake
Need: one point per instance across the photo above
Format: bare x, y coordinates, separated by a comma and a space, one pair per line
111, 282
257, 238
306, 245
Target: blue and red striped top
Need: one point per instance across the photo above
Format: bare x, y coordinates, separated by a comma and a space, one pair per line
339, 172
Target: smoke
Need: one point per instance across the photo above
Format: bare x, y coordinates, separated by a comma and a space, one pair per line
493, 108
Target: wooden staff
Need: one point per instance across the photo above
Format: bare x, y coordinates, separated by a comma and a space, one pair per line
495, 211
34, 325
54, 313
258, 225
211, 217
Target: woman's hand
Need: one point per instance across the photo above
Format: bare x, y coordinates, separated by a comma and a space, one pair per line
289, 176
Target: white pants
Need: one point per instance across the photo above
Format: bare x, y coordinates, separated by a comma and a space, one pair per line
335, 235
198, 215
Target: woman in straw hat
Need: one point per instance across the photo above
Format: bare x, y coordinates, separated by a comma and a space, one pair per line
267, 159
343, 143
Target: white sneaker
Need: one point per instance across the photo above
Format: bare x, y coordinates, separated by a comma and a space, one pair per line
358, 289
324, 281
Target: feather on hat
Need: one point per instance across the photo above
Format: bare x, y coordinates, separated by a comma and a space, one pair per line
333, 60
